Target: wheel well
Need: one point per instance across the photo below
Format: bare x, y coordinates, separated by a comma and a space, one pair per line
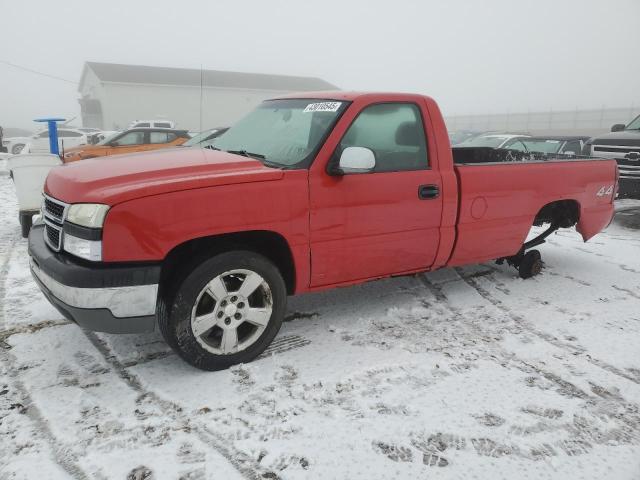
564, 213
182, 258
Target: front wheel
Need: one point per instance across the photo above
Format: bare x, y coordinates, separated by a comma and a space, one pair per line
225, 311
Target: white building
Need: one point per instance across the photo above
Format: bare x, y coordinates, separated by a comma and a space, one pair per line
113, 95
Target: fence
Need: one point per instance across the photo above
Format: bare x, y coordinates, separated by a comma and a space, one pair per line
576, 122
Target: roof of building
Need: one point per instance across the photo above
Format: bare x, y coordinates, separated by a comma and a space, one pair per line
114, 72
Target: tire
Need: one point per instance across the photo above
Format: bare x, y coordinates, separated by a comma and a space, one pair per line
26, 220
530, 265
17, 148
216, 297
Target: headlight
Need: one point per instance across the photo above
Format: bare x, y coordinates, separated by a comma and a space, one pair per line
87, 214
80, 247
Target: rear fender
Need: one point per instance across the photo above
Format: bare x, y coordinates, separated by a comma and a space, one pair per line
594, 219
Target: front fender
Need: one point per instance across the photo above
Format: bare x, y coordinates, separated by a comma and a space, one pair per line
147, 228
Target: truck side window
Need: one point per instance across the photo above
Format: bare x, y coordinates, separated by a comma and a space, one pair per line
395, 133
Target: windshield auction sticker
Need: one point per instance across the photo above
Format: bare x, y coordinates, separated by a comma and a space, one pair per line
322, 107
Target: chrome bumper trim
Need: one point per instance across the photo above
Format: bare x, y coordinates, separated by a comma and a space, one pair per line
123, 302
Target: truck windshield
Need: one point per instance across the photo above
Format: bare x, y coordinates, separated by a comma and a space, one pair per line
635, 124
285, 132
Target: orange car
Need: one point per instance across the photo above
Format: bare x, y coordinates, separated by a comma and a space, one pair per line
130, 141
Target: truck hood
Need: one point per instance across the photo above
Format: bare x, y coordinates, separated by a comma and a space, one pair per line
625, 138
116, 179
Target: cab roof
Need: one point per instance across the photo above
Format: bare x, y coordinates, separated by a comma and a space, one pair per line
347, 96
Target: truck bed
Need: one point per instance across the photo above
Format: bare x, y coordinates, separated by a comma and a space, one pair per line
489, 155
499, 199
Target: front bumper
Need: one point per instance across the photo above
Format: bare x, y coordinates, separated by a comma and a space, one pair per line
103, 298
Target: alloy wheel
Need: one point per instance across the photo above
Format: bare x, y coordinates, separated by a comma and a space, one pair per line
231, 312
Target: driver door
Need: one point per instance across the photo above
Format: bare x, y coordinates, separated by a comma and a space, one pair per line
383, 222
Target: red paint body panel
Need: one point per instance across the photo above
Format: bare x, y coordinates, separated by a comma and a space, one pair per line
148, 228
340, 229
507, 198
367, 226
120, 178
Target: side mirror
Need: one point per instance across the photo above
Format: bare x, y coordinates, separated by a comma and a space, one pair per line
618, 127
356, 160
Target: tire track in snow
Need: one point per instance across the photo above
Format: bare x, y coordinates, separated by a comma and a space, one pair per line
629, 292
61, 454
547, 337
242, 462
4, 271
626, 240
597, 401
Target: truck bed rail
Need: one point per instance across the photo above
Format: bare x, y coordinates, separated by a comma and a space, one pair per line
490, 156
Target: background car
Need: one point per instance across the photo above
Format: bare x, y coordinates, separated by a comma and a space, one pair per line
152, 124
67, 138
88, 130
459, 136
566, 145
14, 139
100, 135
205, 136
622, 144
130, 141
14, 145
497, 140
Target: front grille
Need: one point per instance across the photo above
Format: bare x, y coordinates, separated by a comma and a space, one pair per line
53, 236
612, 149
54, 209
54, 212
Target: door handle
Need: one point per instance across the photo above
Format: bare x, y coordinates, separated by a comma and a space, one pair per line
426, 192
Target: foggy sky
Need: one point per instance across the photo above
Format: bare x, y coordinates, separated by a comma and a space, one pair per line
474, 56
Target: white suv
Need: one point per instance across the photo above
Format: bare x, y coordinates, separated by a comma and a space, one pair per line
67, 138
151, 124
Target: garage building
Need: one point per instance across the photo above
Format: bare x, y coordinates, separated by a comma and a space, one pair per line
113, 95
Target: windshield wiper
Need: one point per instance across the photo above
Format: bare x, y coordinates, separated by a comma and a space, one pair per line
244, 153
211, 147
257, 156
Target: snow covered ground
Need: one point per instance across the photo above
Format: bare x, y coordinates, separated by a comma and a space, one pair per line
460, 374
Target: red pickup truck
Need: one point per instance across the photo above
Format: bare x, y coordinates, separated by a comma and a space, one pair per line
307, 192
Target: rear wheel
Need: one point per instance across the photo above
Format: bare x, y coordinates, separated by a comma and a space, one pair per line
531, 264
225, 311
